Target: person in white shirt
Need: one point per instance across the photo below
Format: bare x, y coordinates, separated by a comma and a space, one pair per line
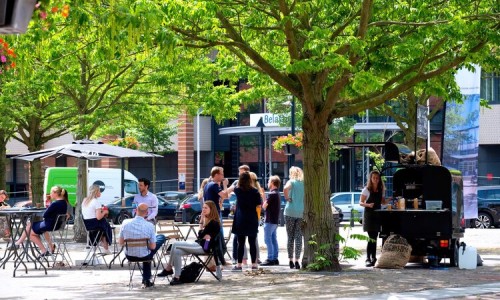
148, 198
94, 217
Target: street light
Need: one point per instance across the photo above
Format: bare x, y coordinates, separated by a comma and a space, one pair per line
261, 125
291, 103
198, 182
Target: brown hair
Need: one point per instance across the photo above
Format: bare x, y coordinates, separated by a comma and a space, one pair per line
245, 168
275, 180
213, 215
215, 171
380, 187
245, 181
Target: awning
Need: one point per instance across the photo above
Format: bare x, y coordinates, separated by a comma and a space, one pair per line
252, 130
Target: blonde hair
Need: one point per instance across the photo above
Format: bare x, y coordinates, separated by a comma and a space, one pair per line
202, 187
296, 173
93, 190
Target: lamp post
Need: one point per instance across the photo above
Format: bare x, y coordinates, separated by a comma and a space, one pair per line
261, 125
291, 102
198, 182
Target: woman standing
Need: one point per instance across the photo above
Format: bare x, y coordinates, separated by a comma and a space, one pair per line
294, 214
372, 197
57, 207
4, 222
246, 222
94, 217
209, 229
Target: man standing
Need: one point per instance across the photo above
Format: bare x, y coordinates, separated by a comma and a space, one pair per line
272, 206
150, 199
139, 228
215, 190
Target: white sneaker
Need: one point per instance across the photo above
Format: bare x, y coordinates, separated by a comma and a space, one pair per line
106, 252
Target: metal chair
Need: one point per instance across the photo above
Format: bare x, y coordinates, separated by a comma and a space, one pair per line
217, 254
131, 244
59, 235
94, 250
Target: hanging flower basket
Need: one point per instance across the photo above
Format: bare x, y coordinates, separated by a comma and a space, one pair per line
288, 144
290, 149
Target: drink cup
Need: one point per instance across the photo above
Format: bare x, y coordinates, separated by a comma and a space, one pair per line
389, 206
415, 203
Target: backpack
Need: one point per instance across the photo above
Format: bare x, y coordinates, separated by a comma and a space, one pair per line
190, 273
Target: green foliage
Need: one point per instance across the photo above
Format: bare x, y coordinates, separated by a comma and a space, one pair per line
321, 260
348, 252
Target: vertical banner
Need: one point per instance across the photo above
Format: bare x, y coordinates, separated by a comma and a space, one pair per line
461, 136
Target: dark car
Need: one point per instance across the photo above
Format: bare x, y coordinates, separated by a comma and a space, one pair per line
191, 208
488, 206
174, 195
118, 213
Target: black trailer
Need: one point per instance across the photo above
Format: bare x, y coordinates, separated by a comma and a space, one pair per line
431, 233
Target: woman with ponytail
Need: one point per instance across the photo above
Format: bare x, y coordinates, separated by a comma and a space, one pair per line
94, 217
58, 206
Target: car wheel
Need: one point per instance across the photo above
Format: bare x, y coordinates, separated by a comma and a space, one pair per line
196, 219
122, 217
483, 220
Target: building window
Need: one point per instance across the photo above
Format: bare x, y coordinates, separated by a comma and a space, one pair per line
490, 87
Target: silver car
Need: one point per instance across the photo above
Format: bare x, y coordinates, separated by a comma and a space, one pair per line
349, 202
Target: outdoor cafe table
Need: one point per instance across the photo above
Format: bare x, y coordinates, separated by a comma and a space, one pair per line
192, 228
18, 219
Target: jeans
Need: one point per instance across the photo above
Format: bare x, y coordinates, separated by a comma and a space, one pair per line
271, 240
180, 249
146, 266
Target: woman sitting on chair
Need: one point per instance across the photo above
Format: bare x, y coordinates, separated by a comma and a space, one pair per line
94, 217
209, 229
57, 207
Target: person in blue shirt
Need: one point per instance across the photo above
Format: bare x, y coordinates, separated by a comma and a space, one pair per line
58, 207
294, 214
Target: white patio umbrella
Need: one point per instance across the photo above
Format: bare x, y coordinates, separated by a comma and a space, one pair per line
86, 149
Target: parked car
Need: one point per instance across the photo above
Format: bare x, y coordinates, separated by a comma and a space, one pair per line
191, 207
488, 206
118, 213
348, 202
174, 195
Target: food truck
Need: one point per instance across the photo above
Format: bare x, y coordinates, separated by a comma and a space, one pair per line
428, 204
430, 213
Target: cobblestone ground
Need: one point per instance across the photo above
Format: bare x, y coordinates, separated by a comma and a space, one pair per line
277, 282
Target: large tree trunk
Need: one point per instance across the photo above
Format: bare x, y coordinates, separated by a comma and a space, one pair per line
318, 218
81, 193
37, 191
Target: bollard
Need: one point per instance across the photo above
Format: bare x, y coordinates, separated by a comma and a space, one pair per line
352, 218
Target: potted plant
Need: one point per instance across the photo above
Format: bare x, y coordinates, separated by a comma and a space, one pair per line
289, 144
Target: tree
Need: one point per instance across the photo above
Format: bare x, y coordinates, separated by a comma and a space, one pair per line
336, 57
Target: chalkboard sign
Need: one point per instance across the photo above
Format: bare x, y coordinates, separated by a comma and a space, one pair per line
422, 122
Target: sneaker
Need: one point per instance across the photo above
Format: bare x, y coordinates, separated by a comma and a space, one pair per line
106, 252
147, 284
268, 262
255, 267
165, 273
297, 266
175, 281
237, 269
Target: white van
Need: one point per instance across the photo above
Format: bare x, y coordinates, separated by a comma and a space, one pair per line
108, 179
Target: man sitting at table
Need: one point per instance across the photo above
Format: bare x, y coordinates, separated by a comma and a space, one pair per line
140, 228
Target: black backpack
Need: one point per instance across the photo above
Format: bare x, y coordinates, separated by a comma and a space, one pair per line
190, 273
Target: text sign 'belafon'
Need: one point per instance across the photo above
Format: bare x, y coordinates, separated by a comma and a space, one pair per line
270, 119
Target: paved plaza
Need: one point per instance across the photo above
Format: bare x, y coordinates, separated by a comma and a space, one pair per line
276, 282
